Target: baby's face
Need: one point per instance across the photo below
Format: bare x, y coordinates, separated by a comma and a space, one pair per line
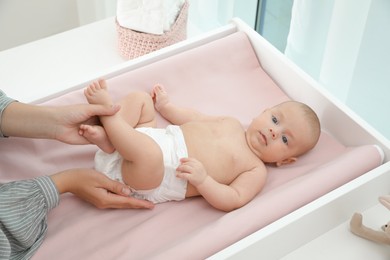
279, 133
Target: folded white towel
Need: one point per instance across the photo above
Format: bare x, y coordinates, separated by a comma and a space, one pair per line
171, 11
149, 16
141, 15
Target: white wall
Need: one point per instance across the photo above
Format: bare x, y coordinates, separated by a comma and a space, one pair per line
94, 10
22, 21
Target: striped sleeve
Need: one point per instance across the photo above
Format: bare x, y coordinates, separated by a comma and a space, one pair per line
4, 102
23, 215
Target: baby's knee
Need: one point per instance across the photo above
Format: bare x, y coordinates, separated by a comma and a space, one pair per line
139, 98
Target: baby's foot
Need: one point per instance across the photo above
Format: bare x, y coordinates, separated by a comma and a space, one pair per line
96, 134
96, 93
160, 97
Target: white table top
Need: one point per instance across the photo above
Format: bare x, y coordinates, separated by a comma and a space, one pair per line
44, 67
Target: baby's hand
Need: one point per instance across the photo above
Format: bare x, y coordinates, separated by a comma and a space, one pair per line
191, 170
159, 96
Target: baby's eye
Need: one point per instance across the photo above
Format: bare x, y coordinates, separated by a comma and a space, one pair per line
274, 120
284, 139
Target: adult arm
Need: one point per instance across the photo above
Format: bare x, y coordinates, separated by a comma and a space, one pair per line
97, 189
23, 215
51, 122
24, 206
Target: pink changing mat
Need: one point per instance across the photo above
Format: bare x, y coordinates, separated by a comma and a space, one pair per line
223, 77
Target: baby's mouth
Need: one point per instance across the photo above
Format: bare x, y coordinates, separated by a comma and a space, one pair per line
263, 138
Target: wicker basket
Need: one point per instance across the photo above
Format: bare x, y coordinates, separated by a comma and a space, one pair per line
133, 44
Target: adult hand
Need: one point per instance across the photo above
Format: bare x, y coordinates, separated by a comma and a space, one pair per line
97, 189
51, 122
70, 117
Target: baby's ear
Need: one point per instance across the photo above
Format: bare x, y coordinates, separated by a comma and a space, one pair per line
286, 161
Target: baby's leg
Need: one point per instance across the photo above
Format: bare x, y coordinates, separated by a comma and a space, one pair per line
159, 96
137, 110
96, 134
142, 166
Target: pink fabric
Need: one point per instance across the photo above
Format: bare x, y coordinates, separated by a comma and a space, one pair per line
223, 77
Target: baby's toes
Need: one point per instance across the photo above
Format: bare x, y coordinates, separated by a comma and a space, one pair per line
102, 84
162, 89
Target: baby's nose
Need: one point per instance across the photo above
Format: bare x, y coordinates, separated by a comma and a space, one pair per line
273, 133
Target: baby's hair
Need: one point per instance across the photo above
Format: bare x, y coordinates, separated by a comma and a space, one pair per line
313, 120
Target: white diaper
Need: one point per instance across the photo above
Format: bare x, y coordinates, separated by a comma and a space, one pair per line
172, 144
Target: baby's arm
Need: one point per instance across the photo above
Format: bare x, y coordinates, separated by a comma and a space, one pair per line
171, 112
223, 197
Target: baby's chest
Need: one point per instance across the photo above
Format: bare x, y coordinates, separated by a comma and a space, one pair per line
226, 159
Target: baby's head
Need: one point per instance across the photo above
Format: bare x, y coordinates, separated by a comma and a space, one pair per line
282, 133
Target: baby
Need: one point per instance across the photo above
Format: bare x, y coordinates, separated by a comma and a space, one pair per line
211, 156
